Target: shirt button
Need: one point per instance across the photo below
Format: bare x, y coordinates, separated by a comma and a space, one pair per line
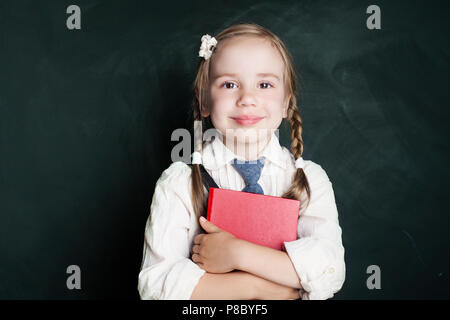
330, 270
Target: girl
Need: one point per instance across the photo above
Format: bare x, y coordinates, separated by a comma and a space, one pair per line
245, 84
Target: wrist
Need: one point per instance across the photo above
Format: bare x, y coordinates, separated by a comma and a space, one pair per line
239, 256
253, 285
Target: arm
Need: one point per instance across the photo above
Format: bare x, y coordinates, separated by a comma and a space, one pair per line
166, 270
215, 252
317, 256
318, 253
314, 262
239, 285
268, 263
220, 252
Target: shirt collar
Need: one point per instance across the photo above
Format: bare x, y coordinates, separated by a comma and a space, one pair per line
216, 154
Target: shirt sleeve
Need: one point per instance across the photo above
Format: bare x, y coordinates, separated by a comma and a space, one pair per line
167, 272
318, 253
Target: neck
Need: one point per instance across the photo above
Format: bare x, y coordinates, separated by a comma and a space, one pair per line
247, 150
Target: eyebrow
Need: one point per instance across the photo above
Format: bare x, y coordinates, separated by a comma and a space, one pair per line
261, 75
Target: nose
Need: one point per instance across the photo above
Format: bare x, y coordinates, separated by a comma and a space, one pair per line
246, 97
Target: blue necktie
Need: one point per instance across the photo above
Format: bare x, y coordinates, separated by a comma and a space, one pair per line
251, 173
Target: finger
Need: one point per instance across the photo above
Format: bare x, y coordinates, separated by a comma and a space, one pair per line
198, 238
208, 226
201, 265
196, 258
196, 248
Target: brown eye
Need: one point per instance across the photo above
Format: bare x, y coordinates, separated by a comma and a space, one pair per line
227, 85
265, 85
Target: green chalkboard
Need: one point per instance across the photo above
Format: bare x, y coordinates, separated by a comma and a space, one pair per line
86, 117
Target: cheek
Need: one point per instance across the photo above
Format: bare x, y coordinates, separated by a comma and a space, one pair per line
275, 96
221, 102
276, 104
218, 96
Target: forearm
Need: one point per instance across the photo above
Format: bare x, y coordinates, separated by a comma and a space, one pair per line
240, 285
267, 263
236, 285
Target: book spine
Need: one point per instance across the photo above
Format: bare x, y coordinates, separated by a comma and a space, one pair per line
210, 197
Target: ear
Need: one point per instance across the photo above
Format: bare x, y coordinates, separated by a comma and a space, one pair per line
205, 113
206, 109
286, 105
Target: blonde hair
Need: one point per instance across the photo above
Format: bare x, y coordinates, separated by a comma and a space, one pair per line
201, 85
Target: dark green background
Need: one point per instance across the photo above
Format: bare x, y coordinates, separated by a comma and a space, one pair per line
86, 118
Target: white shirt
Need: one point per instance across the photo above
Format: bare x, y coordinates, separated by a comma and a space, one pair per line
167, 272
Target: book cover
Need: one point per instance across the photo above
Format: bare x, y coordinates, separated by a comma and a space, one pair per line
260, 219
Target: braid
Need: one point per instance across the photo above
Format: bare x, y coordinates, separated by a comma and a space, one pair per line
296, 132
300, 182
198, 195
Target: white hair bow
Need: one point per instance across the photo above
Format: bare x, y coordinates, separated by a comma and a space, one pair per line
206, 48
300, 163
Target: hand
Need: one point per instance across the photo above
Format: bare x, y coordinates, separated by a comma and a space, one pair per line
215, 251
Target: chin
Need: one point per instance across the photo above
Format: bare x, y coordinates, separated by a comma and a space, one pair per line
247, 135
247, 139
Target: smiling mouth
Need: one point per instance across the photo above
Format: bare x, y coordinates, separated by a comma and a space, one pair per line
247, 120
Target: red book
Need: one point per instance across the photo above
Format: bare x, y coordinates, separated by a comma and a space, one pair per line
257, 218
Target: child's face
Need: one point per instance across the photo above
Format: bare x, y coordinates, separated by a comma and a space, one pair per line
246, 79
